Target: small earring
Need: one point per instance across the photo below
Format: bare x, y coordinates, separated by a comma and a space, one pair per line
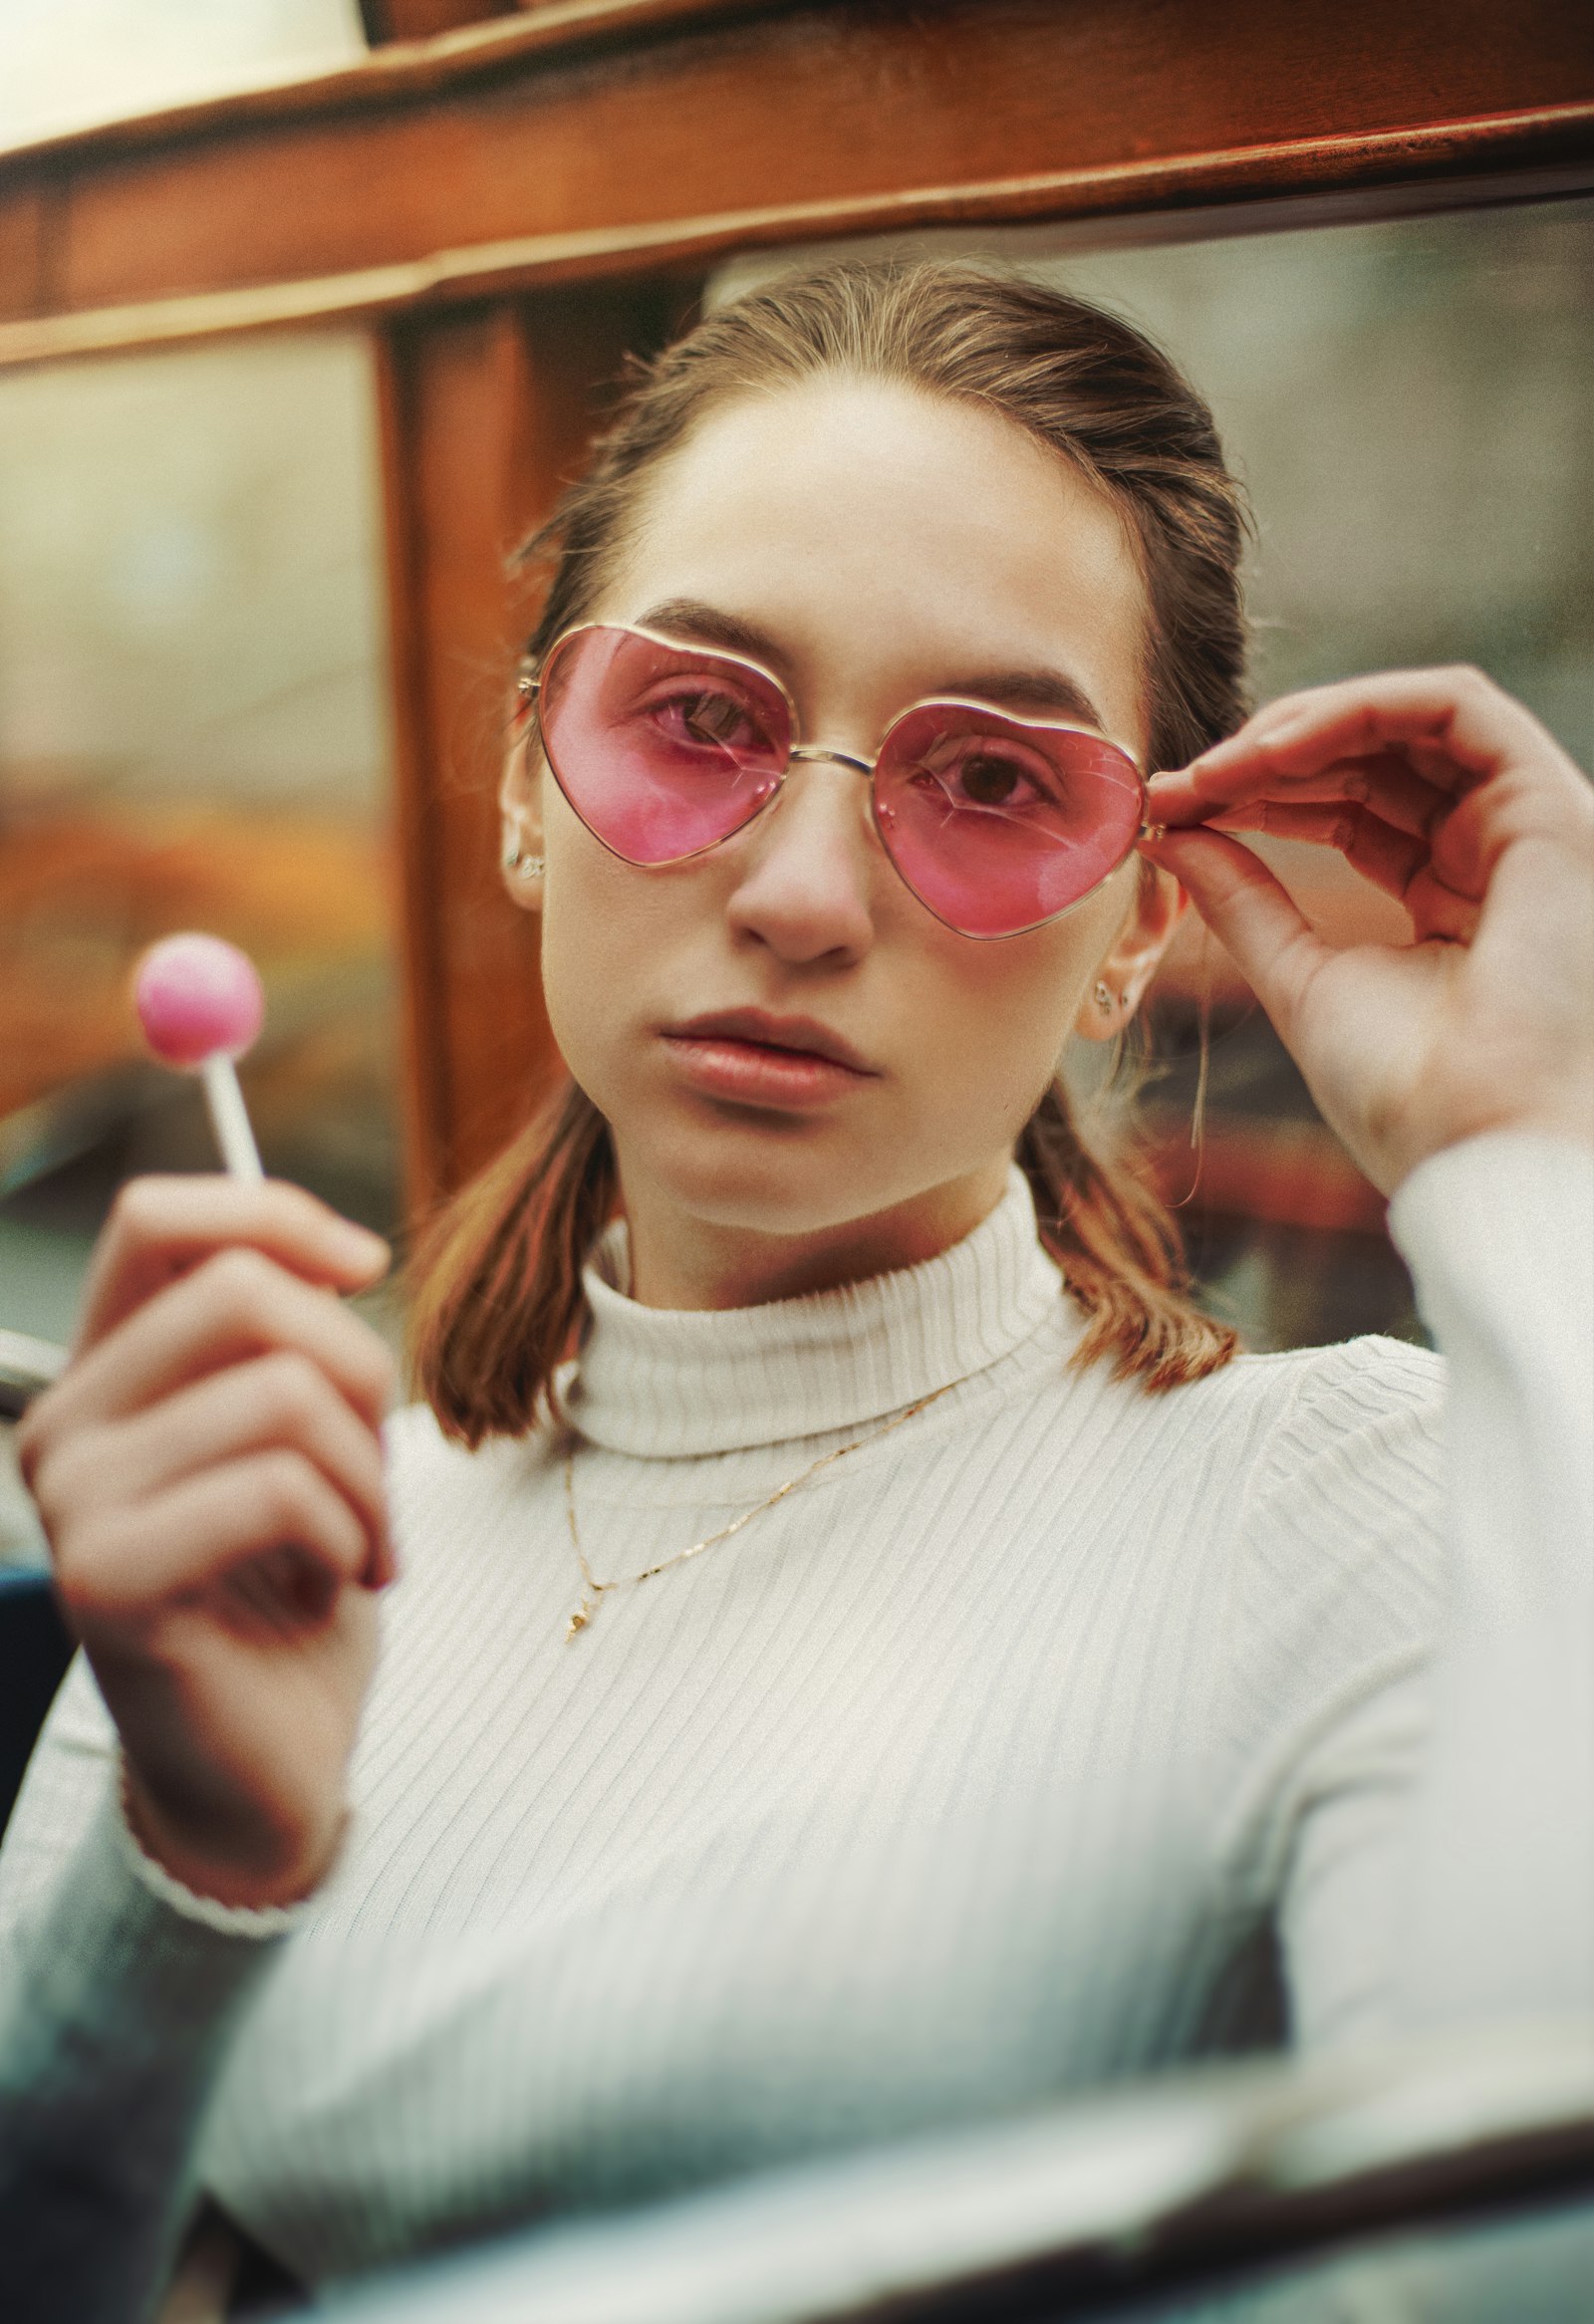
515, 859
1104, 999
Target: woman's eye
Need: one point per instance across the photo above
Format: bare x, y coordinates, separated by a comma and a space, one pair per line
715, 718
974, 773
991, 781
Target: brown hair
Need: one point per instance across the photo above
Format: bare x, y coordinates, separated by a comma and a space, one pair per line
499, 1300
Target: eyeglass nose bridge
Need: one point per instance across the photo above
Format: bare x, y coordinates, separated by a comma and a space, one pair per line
840, 759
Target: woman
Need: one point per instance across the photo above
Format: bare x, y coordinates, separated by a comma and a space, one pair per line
910, 1664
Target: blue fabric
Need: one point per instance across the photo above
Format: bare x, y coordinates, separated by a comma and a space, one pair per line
34, 1652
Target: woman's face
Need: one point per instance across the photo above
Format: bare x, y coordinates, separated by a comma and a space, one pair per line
872, 545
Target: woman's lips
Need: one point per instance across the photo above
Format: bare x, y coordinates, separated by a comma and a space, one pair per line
756, 1064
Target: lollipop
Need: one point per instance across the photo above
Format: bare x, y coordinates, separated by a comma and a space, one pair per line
200, 1005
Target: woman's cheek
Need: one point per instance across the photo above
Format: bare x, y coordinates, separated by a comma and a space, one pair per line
584, 973
1013, 1006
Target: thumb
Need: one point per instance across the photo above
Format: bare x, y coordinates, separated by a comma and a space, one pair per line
1251, 914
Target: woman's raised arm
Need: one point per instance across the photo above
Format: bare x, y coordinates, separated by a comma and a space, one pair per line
1460, 1072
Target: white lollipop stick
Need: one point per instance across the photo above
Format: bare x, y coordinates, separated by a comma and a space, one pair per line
229, 1117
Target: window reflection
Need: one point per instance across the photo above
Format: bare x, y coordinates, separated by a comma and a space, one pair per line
191, 734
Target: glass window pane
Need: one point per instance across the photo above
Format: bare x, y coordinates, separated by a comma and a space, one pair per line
65, 63
193, 734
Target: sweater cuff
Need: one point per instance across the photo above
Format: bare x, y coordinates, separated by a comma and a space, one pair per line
245, 1920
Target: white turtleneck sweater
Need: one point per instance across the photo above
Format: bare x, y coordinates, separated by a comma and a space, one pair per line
1061, 1733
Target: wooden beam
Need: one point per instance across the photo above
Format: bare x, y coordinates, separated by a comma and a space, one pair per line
851, 117
1517, 156
485, 416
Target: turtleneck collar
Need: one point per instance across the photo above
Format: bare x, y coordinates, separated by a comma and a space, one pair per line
661, 1382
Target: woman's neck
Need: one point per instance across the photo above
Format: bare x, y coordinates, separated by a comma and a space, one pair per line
684, 1260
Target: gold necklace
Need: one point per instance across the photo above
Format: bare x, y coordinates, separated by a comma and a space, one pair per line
593, 1592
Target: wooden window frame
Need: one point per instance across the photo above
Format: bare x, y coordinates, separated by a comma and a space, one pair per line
511, 205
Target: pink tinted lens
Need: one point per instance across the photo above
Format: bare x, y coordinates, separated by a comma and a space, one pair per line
998, 826
660, 749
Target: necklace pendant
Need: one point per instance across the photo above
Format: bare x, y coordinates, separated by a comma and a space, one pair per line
593, 1590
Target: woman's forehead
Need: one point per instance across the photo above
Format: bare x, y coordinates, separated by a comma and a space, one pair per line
865, 523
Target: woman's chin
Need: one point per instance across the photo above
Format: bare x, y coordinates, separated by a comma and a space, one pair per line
794, 1189
832, 1198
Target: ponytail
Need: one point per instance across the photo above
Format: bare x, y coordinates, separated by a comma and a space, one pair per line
1121, 1255
498, 1301
497, 1298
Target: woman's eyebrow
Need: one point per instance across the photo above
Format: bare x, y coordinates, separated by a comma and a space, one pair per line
1031, 690
703, 625
1015, 689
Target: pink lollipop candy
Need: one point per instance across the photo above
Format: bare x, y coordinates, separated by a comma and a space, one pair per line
200, 1005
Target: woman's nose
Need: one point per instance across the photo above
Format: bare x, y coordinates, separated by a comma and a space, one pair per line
809, 872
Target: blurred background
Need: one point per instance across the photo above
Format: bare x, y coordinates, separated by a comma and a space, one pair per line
192, 724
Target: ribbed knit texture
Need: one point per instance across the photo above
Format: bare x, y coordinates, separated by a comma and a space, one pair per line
990, 1766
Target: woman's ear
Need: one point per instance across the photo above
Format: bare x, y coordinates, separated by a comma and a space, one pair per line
520, 810
1122, 976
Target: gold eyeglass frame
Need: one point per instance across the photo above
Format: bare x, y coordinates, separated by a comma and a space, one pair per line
528, 684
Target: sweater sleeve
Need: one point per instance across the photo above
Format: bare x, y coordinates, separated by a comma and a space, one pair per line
1412, 1715
118, 1996
1498, 1895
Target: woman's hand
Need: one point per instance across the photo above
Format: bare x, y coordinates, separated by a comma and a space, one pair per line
1448, 794
208, 1469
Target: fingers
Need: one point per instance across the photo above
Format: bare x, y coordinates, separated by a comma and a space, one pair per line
281, 1402
1251, 914
1388, 856
210, 1479
1390, 859
162, 1227
1419, 778
1385, 784
1452, 729
212, 1376
235, 1306
268, 1539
